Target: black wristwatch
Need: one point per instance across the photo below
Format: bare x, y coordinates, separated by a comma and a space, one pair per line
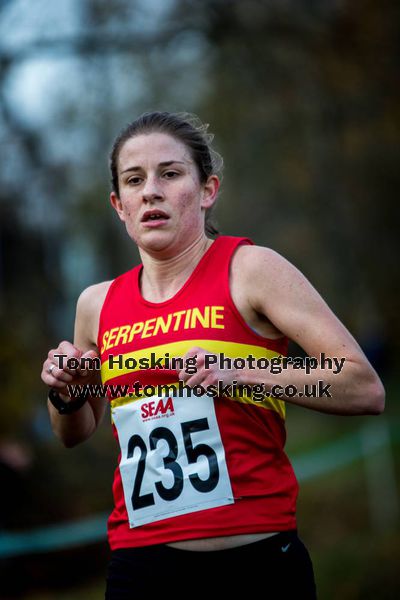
65, 408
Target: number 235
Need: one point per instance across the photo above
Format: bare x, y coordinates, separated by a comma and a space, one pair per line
170, 462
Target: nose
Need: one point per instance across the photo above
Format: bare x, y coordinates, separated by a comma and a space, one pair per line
151, 190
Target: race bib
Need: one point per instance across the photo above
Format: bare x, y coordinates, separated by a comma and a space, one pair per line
172, 457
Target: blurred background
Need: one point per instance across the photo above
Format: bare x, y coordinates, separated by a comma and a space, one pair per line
304, 99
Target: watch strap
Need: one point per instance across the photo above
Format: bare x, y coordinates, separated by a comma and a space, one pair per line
65, 408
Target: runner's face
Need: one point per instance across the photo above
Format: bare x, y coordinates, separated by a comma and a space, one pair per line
161, 199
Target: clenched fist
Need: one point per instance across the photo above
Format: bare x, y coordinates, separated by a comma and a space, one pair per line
74, 374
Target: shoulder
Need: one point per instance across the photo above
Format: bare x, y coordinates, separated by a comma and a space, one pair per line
269, 280
89, 304
88, 311
93, 297
258, 260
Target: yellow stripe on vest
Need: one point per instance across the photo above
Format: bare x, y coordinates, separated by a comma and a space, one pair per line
179, 349
274, 404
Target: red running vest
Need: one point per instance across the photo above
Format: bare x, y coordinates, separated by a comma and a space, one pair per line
202, 314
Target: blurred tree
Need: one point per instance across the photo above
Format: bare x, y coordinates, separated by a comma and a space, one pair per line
305, 98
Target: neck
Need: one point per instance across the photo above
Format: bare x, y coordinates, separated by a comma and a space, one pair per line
163, 278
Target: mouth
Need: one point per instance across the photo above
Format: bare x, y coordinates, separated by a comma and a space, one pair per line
154, 216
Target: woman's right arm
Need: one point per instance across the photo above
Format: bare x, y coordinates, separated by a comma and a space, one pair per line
78, 426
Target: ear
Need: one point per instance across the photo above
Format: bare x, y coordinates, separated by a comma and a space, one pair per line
117, 205
210, 192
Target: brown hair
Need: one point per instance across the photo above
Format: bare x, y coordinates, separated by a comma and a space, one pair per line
184, 127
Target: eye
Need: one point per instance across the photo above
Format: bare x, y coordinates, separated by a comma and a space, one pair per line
135, 180
170, 174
